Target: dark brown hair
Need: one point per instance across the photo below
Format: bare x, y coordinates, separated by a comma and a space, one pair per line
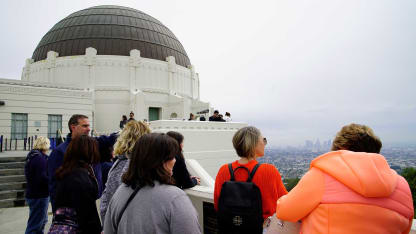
74, 120
146, 163
357, 138
82, 151
179, 138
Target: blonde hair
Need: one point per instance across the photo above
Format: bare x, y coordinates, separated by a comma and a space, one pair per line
132, 131
357, 138
245, 141
42, 143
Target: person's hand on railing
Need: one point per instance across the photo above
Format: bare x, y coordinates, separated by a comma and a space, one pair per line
198, 180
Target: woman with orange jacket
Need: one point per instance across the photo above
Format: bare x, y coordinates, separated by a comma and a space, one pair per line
350, 190
249, 145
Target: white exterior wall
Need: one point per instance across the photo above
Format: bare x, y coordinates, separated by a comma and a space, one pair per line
209, 143
121, 84
38, 100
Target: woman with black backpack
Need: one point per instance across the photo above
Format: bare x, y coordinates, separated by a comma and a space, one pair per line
247, 211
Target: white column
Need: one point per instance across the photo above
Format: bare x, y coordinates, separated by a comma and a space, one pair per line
50, 65
192, 80
89, 61
134, 64
171, 71
26, 69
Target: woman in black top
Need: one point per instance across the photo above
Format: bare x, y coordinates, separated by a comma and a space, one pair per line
77, 188
181, 175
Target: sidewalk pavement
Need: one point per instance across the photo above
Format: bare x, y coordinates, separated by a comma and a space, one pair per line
14, 220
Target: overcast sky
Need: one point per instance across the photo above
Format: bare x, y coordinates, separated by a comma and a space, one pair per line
298, 70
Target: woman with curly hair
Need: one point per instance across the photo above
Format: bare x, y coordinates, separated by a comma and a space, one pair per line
351, 189
123, 148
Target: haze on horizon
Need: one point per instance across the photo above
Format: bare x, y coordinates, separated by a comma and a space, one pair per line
298, 70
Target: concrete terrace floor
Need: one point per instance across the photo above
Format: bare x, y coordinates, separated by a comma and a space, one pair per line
18, 153
14, 220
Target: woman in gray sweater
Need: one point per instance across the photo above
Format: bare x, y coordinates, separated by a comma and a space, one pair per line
156, 206
132, 131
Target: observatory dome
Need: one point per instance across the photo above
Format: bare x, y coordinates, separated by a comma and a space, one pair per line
112, 30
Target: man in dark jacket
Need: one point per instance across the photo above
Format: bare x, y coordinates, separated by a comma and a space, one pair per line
78, 125
215, 116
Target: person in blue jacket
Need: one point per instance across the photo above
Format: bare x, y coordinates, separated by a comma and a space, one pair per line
37, 195
78, 125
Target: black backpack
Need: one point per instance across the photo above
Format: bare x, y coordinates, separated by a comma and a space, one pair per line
239, 207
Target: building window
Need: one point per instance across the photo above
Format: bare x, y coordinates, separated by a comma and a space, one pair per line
19, 126
54, 125
154, 113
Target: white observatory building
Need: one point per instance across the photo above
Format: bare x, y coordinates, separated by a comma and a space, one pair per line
105, 61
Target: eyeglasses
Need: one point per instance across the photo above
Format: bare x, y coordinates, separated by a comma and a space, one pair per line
264, 140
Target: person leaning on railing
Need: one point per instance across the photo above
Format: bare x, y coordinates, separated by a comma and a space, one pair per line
180, 173
350, 190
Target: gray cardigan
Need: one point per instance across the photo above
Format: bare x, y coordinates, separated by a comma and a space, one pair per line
113, 181
160, 209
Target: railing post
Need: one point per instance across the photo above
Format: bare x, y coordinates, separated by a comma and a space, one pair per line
15, 144
52, 140
5, 145
31, 146
10, 144
24, 143
1, 143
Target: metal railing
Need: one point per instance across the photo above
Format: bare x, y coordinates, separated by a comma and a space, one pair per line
26, 144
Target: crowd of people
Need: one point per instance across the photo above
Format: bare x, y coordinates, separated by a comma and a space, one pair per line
217, 117
139, 177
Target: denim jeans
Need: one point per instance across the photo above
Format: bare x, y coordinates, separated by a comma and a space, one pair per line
38, 215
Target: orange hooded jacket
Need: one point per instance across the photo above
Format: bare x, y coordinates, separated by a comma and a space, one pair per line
349, 192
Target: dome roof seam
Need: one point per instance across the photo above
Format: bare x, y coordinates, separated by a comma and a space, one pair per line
40, 47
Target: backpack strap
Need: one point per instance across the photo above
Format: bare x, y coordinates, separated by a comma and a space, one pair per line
250, 177
230, 168
127, 203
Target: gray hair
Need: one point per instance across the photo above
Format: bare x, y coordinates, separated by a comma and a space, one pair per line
245, 141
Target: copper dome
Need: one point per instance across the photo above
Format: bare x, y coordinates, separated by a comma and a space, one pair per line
112, 30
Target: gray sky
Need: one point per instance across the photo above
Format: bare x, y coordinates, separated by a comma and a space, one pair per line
298, 70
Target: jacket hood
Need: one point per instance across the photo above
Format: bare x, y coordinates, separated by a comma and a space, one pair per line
33, 153
366, 173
